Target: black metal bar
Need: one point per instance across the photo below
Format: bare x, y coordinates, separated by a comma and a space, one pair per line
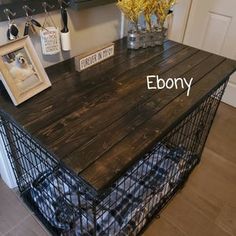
14, 153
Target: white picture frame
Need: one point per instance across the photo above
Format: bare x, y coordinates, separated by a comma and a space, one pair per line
22, 73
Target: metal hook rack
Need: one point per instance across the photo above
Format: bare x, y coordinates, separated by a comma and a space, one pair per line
45, 6
63, 3
27, 9
16, 6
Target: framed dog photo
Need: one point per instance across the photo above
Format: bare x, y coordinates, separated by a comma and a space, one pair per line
21, 70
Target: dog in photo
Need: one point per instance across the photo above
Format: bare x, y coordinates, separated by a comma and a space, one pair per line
20, 69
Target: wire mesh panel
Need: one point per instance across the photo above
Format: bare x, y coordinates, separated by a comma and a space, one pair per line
52, 189
73, 208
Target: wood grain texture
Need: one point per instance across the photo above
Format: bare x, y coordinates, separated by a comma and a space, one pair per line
100, 121
139, 141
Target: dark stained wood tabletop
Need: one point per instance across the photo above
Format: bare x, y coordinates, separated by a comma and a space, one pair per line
100, 121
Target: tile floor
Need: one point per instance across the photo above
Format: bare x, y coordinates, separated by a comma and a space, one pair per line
15, 218
206, 206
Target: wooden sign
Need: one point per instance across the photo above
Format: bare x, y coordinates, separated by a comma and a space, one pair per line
85, 61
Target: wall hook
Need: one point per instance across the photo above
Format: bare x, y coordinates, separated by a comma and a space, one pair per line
9, 13
63, 3
45, 5
27, 9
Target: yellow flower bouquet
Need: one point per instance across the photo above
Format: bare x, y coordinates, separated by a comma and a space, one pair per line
153, 34
131, 9
162, 8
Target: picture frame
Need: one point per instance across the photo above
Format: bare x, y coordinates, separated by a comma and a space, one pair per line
22, 73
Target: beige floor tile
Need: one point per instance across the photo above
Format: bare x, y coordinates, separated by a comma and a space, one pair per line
162, 227
222, 138
40, 223
29, 227
207, 207
11, 210
212, 180
190, 220
217, 163
227, 219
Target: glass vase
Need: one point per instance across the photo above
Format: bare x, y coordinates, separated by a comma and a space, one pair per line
160, 36
134, 36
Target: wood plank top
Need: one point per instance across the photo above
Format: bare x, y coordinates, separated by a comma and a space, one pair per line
100, 121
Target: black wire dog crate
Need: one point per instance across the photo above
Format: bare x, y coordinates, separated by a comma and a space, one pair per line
68, 206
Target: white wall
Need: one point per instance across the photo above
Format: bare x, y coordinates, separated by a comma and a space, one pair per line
5, 167
89, 28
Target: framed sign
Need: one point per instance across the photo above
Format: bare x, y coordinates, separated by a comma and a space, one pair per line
87, 60
21, 70
50, 41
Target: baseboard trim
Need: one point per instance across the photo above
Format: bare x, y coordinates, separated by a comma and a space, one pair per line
230, 95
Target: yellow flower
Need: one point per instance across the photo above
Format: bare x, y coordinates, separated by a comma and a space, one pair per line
162, 10
131, 8
149, 7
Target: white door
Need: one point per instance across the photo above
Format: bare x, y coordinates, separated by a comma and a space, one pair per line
212, 26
